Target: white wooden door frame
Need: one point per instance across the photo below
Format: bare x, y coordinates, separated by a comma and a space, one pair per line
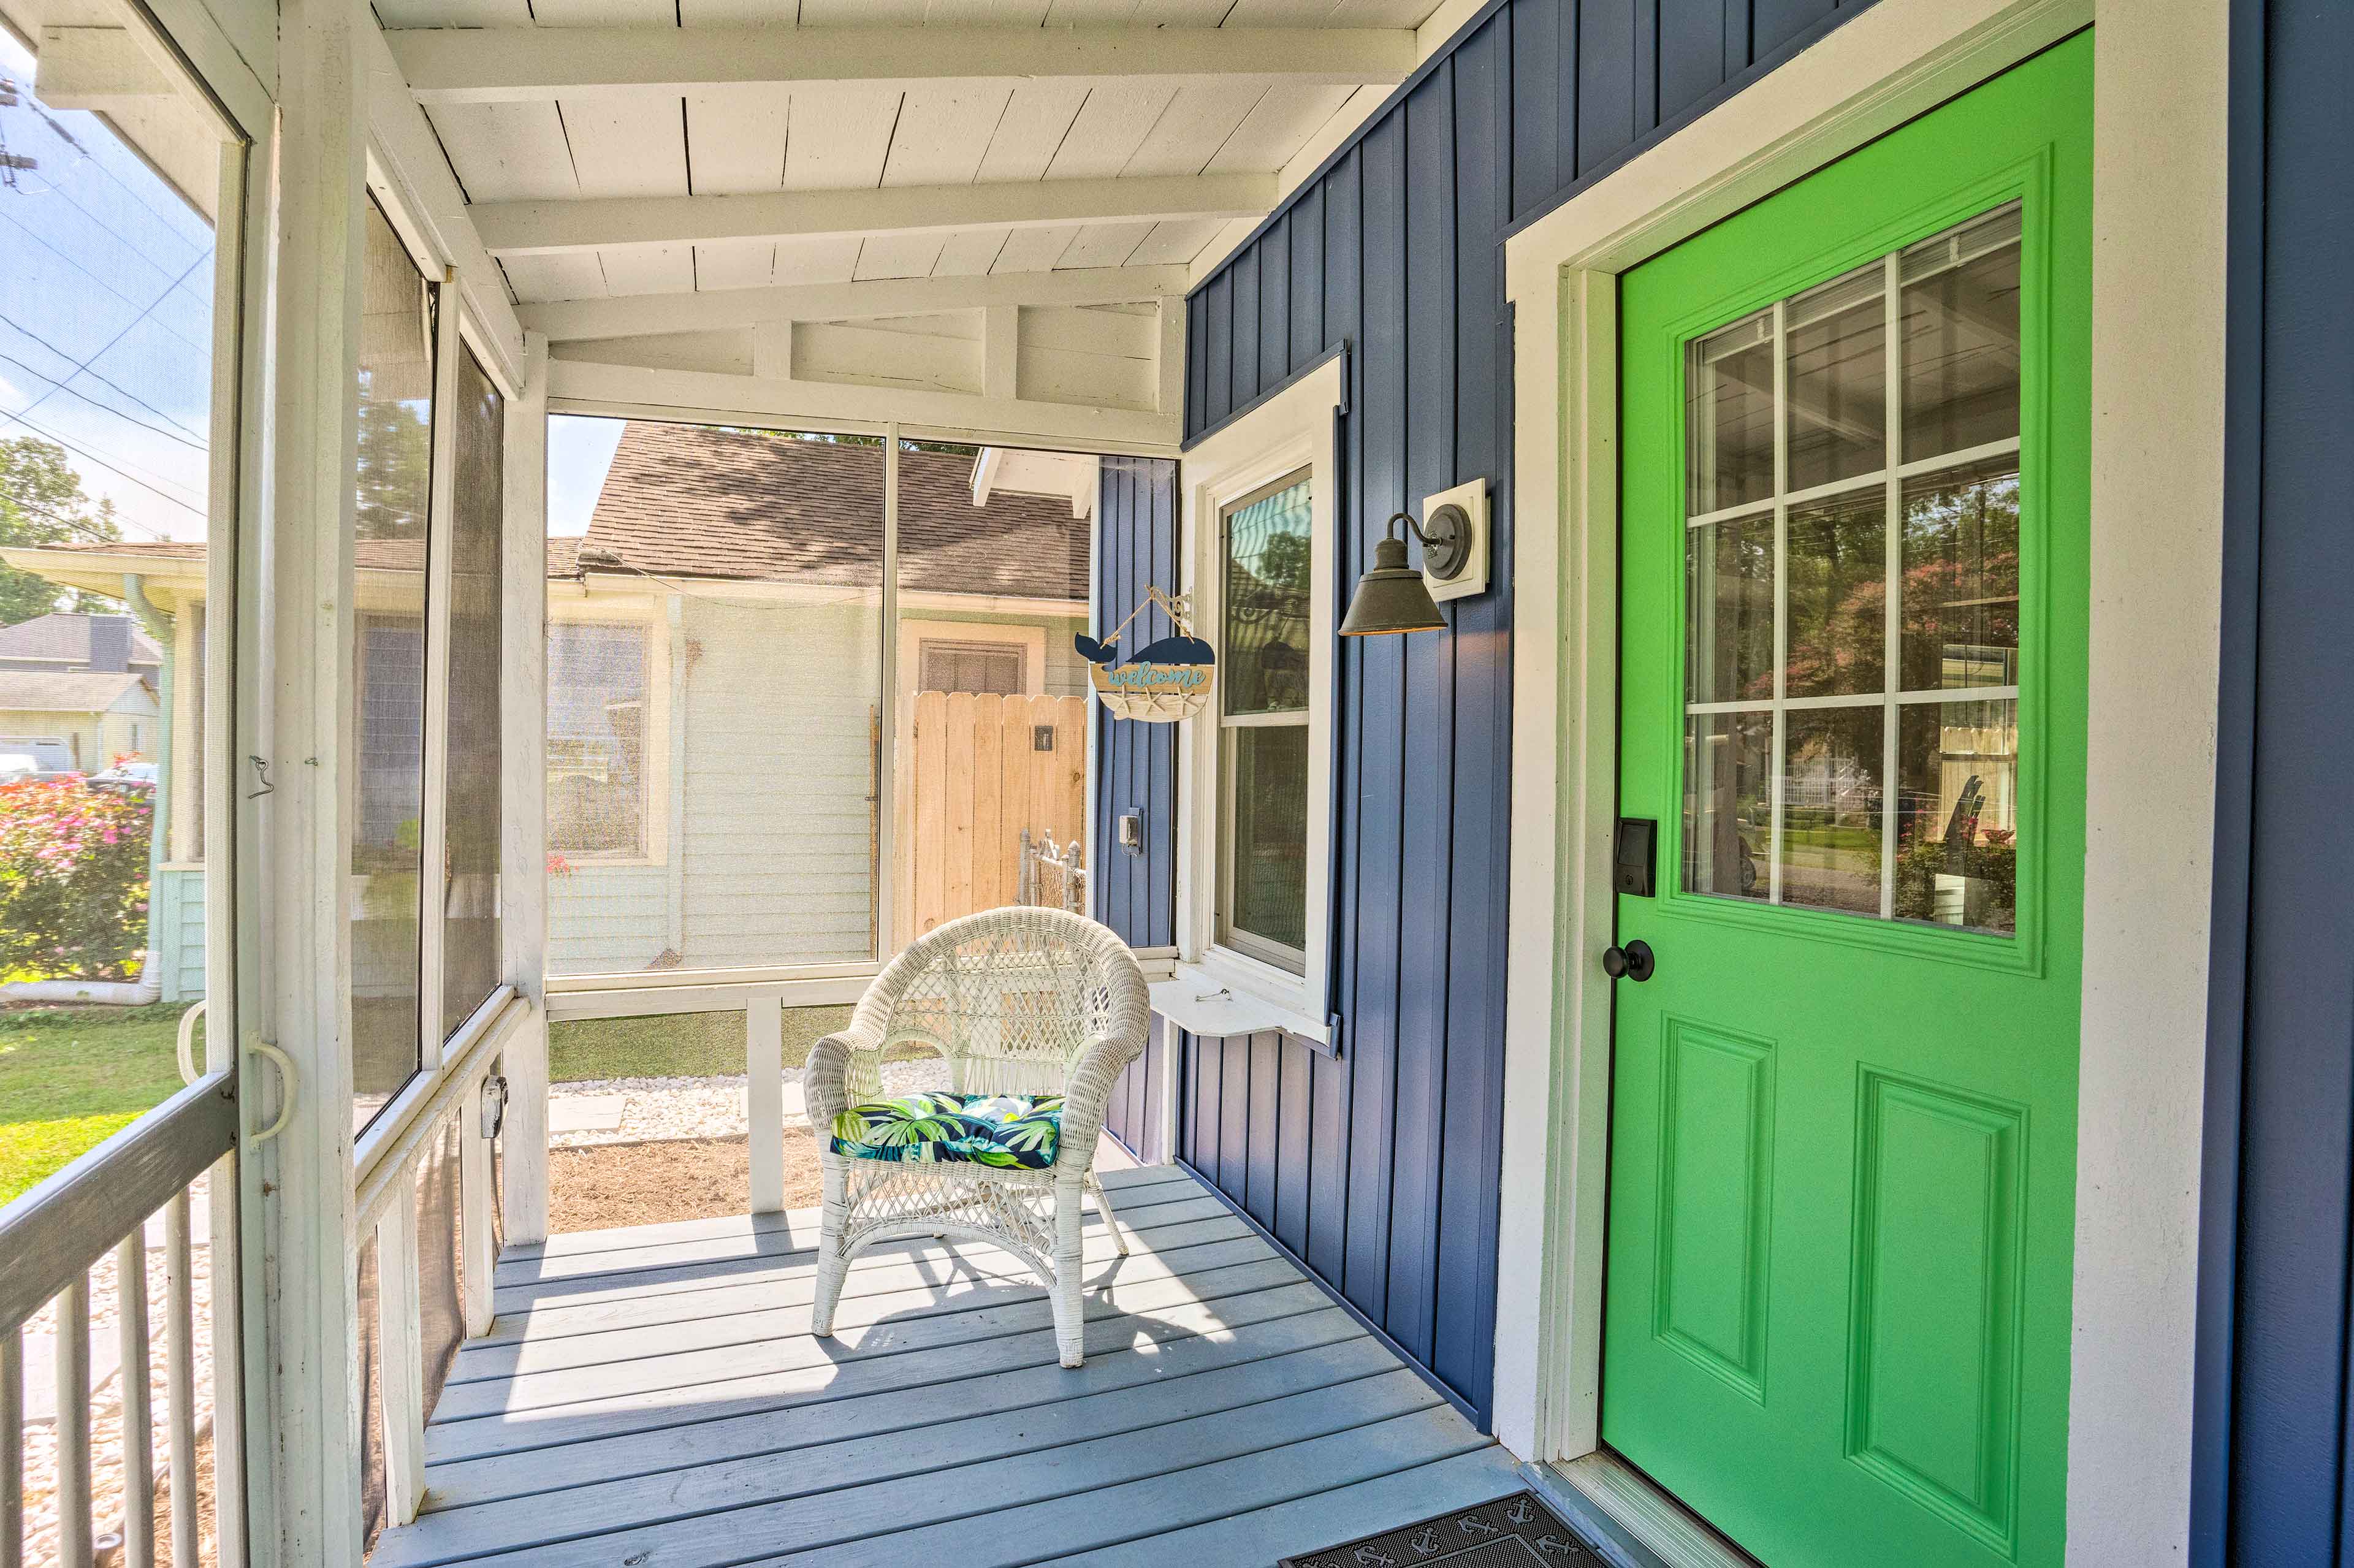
2158, 186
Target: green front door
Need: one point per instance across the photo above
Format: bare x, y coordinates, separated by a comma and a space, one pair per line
1854, 597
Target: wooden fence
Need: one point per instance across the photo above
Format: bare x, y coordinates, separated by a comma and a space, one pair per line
975, 772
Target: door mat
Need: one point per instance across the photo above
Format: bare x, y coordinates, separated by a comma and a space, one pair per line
1517, 1531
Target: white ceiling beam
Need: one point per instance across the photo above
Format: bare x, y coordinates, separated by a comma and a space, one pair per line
645, 315
501, 64
551, 227
631, 391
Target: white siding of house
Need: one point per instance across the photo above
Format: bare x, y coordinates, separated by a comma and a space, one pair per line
606, 919
778, 840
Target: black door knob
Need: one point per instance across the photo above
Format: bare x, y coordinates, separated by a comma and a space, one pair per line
1635, 961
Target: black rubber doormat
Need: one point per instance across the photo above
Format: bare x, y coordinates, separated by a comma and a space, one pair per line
1517, 1531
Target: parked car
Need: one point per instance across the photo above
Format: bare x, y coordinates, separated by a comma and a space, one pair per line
127, 776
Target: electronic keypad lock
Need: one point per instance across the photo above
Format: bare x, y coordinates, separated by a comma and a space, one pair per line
1631, 858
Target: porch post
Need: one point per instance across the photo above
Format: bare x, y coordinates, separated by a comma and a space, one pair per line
307, 1378
523, 707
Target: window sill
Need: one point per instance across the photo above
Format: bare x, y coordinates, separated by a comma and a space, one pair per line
1218, 997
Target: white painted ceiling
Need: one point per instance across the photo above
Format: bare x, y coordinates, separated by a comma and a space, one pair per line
767, 138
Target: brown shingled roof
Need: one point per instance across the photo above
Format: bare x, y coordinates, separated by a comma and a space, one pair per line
691, 500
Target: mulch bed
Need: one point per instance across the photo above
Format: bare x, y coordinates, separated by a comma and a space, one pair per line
604, 1185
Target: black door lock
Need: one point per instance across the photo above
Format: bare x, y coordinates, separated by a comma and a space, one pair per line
1631, 856
1635, 961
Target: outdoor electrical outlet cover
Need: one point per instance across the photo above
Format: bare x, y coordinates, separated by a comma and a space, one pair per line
1471, 497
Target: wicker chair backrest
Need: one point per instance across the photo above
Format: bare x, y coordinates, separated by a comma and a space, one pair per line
1010, 997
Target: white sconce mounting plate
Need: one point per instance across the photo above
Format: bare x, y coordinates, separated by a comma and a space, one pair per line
1470, 500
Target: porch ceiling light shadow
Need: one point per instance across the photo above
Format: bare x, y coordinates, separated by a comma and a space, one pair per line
1393, 598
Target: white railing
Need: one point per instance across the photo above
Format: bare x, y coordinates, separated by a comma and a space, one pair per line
56, 1245
1055, 877
385, 1204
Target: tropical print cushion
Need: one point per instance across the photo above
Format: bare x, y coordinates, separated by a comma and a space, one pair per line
1014, 1131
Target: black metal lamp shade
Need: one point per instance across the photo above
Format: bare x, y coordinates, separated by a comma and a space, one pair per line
1393, 598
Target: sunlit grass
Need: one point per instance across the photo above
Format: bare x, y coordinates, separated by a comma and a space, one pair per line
71, 1077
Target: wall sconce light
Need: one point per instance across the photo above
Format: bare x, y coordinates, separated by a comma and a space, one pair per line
1394, 598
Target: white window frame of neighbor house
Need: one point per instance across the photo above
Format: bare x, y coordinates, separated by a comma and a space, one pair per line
1218, 989
569, 605
2156, 464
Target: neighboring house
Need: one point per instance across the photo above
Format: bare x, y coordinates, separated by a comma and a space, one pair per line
713, 693
713, 696
87, 680
99, 715
63, 641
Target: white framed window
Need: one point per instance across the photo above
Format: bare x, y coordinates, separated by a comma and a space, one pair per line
1255, 846
608, 734
1264, 637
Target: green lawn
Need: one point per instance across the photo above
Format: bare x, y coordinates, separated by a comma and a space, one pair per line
71, 1076
683, 1044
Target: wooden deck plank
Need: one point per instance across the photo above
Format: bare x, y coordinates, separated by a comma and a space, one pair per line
1182, 1233
738, 1316
656, 1367
850, 1524
909, 1455
1296, 1460
560, 1315
743, 1395
654, 1395
471, 1482
1325, 1518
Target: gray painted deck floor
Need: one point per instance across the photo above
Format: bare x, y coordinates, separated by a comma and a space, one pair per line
652, 1398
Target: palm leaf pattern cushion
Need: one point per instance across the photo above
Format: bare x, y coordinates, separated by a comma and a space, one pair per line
1014, 1131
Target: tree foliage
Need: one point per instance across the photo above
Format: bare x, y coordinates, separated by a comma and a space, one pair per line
42, 503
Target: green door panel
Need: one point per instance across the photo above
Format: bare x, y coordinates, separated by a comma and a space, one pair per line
1844, 1109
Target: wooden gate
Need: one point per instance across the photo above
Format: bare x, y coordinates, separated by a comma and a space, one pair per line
974, 772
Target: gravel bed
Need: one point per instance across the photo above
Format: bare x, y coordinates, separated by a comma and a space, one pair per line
659, 1108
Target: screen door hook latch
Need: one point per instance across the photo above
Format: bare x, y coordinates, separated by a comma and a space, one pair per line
1635, 961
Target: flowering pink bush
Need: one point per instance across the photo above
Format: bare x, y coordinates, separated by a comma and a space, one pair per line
73, 880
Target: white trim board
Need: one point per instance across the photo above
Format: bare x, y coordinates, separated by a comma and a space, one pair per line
1289, 432
2157, 462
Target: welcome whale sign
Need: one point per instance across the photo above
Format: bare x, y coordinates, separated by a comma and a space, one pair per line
1164, 680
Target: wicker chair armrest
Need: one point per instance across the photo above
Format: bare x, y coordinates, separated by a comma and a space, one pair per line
825, 1079
1086, 1094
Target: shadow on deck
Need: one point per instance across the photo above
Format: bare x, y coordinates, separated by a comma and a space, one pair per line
652, 1397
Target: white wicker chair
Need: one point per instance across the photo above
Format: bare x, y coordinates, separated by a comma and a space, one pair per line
1021, 1000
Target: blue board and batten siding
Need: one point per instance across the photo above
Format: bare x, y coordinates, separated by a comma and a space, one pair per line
2275, 1435
1136, 893
1379, 1169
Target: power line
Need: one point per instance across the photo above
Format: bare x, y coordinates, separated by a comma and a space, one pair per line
92, 276
56, 387
95, 376
110, 467
40, 375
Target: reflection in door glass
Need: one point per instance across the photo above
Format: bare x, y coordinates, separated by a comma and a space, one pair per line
1830, 810
1959, 320
1730, 416
1728, 803
1837, 570
1729, 636
1838, 397
1961, 578
1807, 692
1957, 814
